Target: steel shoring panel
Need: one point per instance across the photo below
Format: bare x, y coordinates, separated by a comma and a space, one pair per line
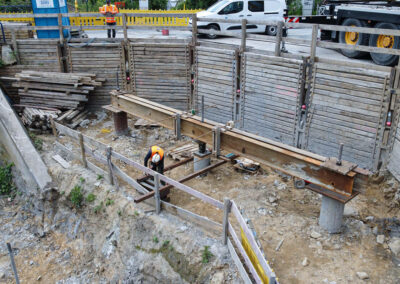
290, 160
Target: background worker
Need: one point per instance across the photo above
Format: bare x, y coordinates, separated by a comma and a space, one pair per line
156, 155
109, 11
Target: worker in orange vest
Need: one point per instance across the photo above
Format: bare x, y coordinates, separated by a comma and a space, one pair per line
109, 11
156, 155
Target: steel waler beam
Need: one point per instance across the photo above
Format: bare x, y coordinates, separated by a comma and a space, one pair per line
313, 168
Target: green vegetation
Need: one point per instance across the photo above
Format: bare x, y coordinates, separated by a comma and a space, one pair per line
91, 197
206, 255
195, 4
62, 192
7, 186
76, 196
81, 179
155, 239
136, 213
98, 208
109, 202
100, 177
119, 213
165, 243
37, 142
294, 7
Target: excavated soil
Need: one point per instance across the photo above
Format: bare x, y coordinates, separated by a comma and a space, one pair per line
277, 210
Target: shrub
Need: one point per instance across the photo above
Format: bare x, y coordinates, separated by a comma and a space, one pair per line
206, 255
109, 202
6, 181
98, 208
76, 196
37, 142
91, 197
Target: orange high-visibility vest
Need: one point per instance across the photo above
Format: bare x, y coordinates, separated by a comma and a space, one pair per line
109, 9
157, 150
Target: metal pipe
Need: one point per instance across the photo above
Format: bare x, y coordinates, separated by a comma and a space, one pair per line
202, 108
339, 160
14, 268
2, 32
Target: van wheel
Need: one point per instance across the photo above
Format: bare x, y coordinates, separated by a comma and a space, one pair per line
214, 27
271, 30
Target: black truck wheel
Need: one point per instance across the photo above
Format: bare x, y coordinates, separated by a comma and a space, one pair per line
385, 41
353, 38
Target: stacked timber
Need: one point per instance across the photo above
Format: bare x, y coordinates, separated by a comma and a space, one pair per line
55, 90
73, 118
18, 30
38, 119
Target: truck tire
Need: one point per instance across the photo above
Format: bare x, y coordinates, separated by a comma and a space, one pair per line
212, 27
385, 41
353, 38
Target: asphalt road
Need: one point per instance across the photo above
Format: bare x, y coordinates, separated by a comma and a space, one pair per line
262, 45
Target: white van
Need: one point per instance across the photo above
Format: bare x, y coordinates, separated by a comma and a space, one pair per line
267, 10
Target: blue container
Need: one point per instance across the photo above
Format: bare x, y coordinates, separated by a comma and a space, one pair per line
50, 7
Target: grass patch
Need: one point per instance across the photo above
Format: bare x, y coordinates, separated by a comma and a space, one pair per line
100, 177
155, 239
91, 197
206, 255
136, 213
7, 186
98, 208
76, 196
37, 142
81, 179
109, 202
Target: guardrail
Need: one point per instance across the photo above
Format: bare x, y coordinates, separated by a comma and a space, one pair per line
259, 268
142, 17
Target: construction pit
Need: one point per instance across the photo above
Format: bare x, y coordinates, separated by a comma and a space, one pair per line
124, 241
322, 208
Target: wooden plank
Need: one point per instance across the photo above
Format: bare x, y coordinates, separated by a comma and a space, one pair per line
204, 222
244, 255
238, 263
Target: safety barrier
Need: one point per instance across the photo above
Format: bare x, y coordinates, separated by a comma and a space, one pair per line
98, 20
103, 155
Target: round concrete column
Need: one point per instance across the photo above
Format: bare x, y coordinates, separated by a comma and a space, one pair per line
331, 215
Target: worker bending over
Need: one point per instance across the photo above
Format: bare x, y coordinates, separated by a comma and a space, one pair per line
109, 11
156, 155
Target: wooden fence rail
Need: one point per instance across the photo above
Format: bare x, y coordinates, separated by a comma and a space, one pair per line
86, 144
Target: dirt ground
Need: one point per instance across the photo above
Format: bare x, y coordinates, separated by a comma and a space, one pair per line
277, 210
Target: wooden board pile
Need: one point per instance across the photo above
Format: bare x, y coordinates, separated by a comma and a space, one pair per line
72, 118
183, 152
55, 90
38, 120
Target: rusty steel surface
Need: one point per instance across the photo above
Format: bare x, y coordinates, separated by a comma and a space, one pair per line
287, 159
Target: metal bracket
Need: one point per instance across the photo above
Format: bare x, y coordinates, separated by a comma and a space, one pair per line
217, 141
344, 168
178, 126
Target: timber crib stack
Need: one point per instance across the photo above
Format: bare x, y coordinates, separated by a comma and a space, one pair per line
55, 90
38, 119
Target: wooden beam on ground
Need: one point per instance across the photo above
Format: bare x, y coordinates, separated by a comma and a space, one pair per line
186, 178
287, 159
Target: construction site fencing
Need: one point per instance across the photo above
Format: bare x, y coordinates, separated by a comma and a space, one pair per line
161, 72
294, 99
96, 19
99, 157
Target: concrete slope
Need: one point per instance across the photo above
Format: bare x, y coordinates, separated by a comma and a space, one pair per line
19, 146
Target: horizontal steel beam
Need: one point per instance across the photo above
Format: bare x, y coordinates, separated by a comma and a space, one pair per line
289, 160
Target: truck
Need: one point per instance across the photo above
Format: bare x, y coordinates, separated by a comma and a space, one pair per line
366, 13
